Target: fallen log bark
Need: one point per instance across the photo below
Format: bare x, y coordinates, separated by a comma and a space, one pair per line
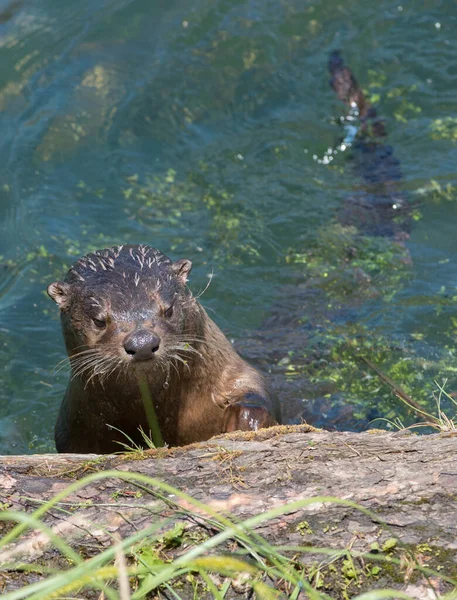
407, 482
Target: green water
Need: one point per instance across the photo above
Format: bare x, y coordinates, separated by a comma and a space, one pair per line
200, 128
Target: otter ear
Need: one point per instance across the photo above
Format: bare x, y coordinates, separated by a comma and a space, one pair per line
182, 268
59, 292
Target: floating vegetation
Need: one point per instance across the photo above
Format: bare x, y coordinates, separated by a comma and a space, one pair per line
352, 272
439, 193
444, 129
377, 91
234, 233
347, 263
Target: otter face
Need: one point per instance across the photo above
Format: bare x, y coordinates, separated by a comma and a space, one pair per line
125, 307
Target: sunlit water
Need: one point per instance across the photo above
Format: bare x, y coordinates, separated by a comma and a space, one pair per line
201, 128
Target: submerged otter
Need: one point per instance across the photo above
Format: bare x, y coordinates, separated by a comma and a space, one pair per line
128, 316
379, 208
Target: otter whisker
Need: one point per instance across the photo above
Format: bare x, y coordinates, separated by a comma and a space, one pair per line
175, 367
178, 357
100, 369
116, 364
97, 363
60, 366
165, 367
68, 360
82, 367
83, 360
192, 339
83, 370
123, 368
200, 294
90, 379
187, 348
74, 360
191, 332
100, 376
196, 340
111, 366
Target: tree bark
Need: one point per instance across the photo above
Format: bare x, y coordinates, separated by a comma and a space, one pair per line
409, 482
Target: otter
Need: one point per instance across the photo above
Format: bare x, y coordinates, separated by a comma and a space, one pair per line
379, 208
127, 316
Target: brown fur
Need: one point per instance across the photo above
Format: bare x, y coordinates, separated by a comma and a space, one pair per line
347, 89
199, 386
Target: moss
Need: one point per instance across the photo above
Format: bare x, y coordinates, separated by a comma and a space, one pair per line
304, 528
346, 575
126, 493
223, 455
265, 434
82, 469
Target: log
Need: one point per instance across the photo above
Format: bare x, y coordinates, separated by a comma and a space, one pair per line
407, 482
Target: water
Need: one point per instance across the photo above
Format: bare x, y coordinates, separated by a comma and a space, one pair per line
200, 128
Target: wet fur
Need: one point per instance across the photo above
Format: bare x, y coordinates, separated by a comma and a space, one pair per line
200, 387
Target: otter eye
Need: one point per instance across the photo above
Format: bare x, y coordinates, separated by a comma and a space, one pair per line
168, 313
99, 323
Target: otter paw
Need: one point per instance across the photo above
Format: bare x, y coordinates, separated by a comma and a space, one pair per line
246, 417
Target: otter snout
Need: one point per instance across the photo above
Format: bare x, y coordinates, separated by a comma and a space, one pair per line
142, 344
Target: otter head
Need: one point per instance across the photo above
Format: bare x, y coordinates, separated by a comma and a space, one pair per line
125, 307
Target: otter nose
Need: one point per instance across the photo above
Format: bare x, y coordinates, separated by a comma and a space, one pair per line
142, 344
